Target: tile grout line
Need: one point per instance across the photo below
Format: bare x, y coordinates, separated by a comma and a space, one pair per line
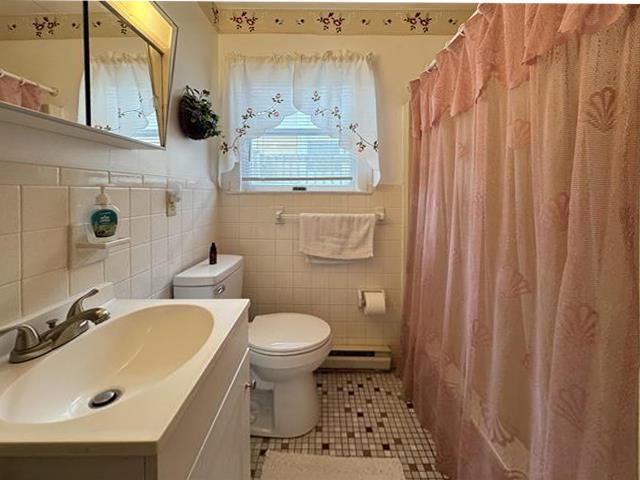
362, 415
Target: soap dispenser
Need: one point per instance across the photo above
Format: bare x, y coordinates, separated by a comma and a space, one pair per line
103, 219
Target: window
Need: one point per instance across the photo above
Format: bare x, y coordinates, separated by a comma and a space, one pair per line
122, 99
296, 123
121, 110
297, 153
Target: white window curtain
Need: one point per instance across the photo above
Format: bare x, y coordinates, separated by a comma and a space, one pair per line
334, 90
122, 98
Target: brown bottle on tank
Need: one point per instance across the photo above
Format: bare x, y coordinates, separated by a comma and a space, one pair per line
213, 254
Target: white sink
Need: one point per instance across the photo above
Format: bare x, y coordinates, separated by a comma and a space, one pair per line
129, 354
154, 351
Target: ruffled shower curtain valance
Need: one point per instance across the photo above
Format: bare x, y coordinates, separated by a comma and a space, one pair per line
520, 337
503, 43
335, 89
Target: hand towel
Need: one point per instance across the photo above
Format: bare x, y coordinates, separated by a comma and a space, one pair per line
325, 261
337, 236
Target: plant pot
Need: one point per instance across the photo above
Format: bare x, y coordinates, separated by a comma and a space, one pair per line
192, 129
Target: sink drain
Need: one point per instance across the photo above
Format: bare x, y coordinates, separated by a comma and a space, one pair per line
105, 398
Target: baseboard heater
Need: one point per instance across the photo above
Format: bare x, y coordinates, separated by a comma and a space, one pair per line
359, 357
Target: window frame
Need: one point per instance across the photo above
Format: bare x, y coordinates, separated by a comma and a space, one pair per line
353, 187
276, 131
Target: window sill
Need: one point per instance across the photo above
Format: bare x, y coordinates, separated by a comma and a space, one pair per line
297, 192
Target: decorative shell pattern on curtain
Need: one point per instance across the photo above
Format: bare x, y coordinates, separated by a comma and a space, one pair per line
521, 312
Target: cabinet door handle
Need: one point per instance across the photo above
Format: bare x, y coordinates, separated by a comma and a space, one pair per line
250, 385
220, 290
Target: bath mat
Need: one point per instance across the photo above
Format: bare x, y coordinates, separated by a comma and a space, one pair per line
296, 466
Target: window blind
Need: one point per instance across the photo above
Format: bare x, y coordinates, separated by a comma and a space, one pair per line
297, 153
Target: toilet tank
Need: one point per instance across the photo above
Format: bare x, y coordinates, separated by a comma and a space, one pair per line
222, 280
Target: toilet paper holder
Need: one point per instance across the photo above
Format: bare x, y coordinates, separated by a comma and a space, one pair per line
362, 291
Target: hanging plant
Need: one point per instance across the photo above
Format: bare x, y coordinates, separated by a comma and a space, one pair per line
197, 118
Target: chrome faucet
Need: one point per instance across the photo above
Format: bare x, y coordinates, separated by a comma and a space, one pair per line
30, 344
77, 308
27, 343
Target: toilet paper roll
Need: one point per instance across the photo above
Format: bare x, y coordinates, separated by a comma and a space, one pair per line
374, 303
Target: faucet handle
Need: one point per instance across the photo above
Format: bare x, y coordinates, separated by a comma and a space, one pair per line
27, 337
77, 307
52, 323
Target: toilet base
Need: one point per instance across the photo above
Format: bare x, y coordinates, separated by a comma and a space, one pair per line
284, 409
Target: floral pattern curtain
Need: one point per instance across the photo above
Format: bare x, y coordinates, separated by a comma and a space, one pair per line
122, 99
520, 340
335, 89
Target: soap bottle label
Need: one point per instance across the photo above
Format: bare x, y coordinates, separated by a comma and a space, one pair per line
104, 223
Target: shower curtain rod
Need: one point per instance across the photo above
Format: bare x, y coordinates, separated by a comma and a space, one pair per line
53, 91
458, 34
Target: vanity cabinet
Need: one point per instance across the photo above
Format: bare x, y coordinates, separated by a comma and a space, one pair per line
211, 439
225, 453
208, 439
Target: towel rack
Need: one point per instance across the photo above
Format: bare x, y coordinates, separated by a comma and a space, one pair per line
53, 91
280, 216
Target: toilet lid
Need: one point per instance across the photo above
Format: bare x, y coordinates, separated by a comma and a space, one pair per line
287, 333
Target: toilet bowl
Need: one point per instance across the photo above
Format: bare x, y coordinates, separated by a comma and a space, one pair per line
284, 348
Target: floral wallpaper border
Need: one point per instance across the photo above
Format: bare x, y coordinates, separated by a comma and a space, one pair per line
434, 21
61, 27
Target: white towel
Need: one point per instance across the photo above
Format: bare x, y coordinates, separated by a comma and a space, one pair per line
325, 261
337, 236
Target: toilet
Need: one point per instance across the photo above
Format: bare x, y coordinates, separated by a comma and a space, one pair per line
285, 349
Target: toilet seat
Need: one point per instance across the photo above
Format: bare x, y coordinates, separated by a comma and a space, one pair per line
287, 334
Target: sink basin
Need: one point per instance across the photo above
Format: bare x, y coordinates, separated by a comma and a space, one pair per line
129, 353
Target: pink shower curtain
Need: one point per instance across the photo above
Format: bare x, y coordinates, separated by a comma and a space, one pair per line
520, 341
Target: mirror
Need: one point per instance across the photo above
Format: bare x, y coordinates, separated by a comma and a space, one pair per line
41, 56
132, 48
122, 99
106, 65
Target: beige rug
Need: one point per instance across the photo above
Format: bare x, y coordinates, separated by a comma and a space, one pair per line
297, 466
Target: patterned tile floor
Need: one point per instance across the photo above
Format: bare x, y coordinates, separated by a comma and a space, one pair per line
363, 415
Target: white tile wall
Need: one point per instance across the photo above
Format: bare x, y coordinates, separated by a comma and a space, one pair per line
10, 211
38, 204
278, 279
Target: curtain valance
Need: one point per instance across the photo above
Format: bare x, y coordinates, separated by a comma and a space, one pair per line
501, 40
335, 89
122, 99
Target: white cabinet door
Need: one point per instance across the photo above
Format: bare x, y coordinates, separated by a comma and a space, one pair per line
225, 454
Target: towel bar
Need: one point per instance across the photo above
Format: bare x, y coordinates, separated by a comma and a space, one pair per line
280, 216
